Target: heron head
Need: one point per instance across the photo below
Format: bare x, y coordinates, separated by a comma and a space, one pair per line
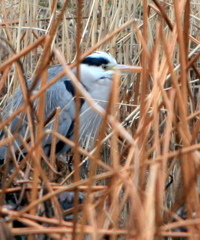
97, 69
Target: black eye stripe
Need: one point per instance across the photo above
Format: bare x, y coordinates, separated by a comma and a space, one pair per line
91, 61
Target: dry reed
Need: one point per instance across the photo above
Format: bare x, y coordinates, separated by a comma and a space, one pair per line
141, 180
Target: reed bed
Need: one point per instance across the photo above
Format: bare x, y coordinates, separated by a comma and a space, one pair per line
141, 181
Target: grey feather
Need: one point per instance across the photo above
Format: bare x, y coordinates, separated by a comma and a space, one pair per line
56, 96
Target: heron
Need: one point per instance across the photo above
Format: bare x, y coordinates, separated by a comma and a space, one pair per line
96, 72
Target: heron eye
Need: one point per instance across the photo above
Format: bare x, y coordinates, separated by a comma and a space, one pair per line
105, 67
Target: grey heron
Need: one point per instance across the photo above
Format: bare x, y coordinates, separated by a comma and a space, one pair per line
96, 73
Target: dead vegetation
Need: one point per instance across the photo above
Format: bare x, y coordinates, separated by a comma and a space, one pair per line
141, 181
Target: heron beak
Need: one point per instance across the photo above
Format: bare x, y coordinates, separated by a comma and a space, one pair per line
129, 68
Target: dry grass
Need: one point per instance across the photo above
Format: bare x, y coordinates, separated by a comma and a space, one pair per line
143, 175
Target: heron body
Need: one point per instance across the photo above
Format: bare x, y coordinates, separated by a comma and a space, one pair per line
96, 73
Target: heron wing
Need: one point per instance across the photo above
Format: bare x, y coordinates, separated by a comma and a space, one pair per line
61, 95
